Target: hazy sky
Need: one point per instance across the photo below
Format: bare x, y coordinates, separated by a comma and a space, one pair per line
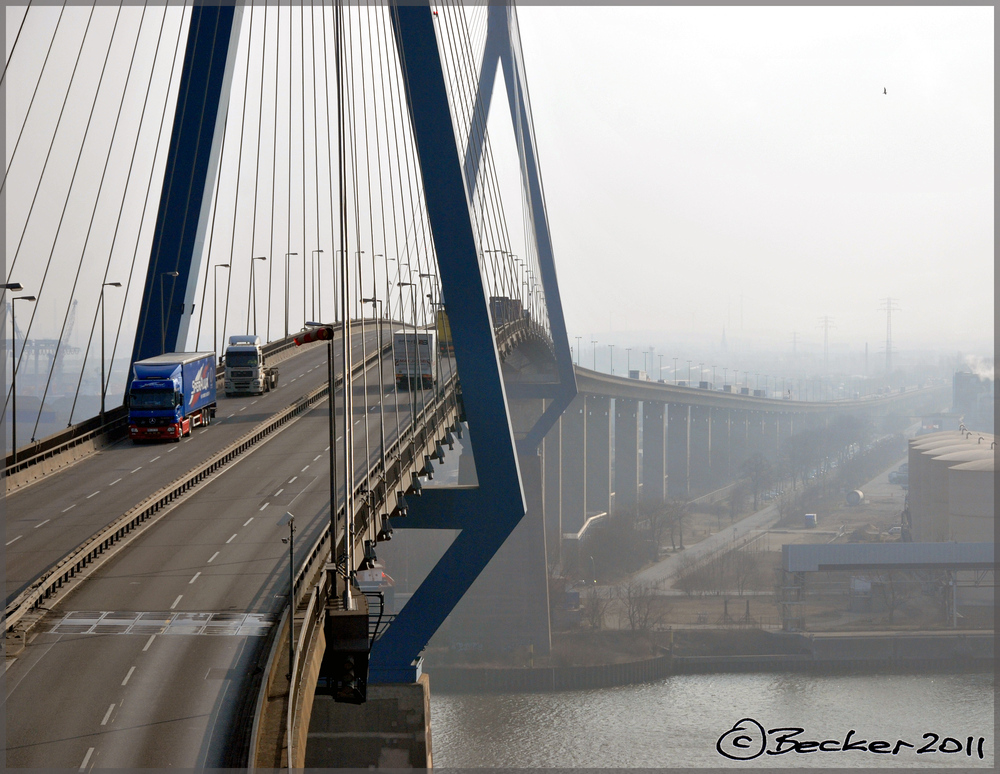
694, 157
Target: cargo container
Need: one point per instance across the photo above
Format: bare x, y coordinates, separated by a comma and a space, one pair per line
414, 355
171, 394
445, 344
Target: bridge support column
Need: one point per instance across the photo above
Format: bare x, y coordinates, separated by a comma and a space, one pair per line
755, 433
552, 473
654, 452
770, 436
573, 452
598, 454
508, 604
738, 427
626, 455
701, 449
720, 448
678, 449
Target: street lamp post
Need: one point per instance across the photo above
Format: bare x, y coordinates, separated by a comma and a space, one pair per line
103, 389
578, 349
314, 267
594, 343
628, 361
253, 289
163, 317
287, 291
13, 370
661, 368
675, 370
612, 348
215, 311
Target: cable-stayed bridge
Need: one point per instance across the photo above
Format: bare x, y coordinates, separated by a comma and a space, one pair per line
178, 174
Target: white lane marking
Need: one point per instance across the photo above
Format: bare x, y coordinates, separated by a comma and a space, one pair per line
317, 456
372, 409
252, 402
176, 601
86, 759
130, 671
278, 492
9, 663
261, 508
327, 449
234, 414
194, 578
70, 508
11, 541
304, 469
156, 458
294, 380
249, 520
148, 643
292, 479
94, 494
114, 482
171, 450
108, 715
140, 467
339, 438
231, 539
213, 557
42, 522
245, 408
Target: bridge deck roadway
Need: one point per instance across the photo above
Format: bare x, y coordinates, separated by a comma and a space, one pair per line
156, 696
47, 520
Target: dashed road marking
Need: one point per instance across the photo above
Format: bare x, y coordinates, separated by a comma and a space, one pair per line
70, 508
278, 492
137, 469
171, 450
292, 479
94, 494
176, 601
107, 715
213, 557
262, 507
86, 759
252, 402
156, 458
231, 539
130, 671
327, 449
249, 520
317, 457
234, 414
148, 643
194, 578
114, 482
245, 408
11, 541
42, 522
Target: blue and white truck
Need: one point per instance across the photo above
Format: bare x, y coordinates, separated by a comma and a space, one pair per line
171, 394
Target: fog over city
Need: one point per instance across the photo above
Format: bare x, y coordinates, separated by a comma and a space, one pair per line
755, 169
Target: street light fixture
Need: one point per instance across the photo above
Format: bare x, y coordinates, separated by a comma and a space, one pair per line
215, 312
612, 347
628, 361
287, 291
15, 286
103, 386
594, 342
13, 374
163, 318
253, 289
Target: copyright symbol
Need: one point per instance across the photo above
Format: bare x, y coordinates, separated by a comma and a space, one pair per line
743, 742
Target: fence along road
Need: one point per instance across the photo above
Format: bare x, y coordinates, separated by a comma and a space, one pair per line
46, 521
145, 698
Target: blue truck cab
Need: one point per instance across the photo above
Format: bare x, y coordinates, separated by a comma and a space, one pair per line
171, 394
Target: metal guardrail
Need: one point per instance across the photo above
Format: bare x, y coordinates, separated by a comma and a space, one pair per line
66, 568
114, 424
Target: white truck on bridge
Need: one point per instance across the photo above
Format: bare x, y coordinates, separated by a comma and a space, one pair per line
414, 355
245, 368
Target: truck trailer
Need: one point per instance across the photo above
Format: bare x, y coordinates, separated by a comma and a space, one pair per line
246, 371
170, 394
414, 354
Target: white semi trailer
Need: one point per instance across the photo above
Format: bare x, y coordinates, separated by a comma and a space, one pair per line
414, 354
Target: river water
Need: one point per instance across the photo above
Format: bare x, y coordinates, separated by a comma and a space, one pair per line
678, 721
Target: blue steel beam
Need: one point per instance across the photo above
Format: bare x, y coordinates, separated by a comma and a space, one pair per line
486, 514
190, 173
500, 49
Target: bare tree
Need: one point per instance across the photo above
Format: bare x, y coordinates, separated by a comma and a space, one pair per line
746, 569
737, 500
640, 605
897, 587
595, 605
757, 470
